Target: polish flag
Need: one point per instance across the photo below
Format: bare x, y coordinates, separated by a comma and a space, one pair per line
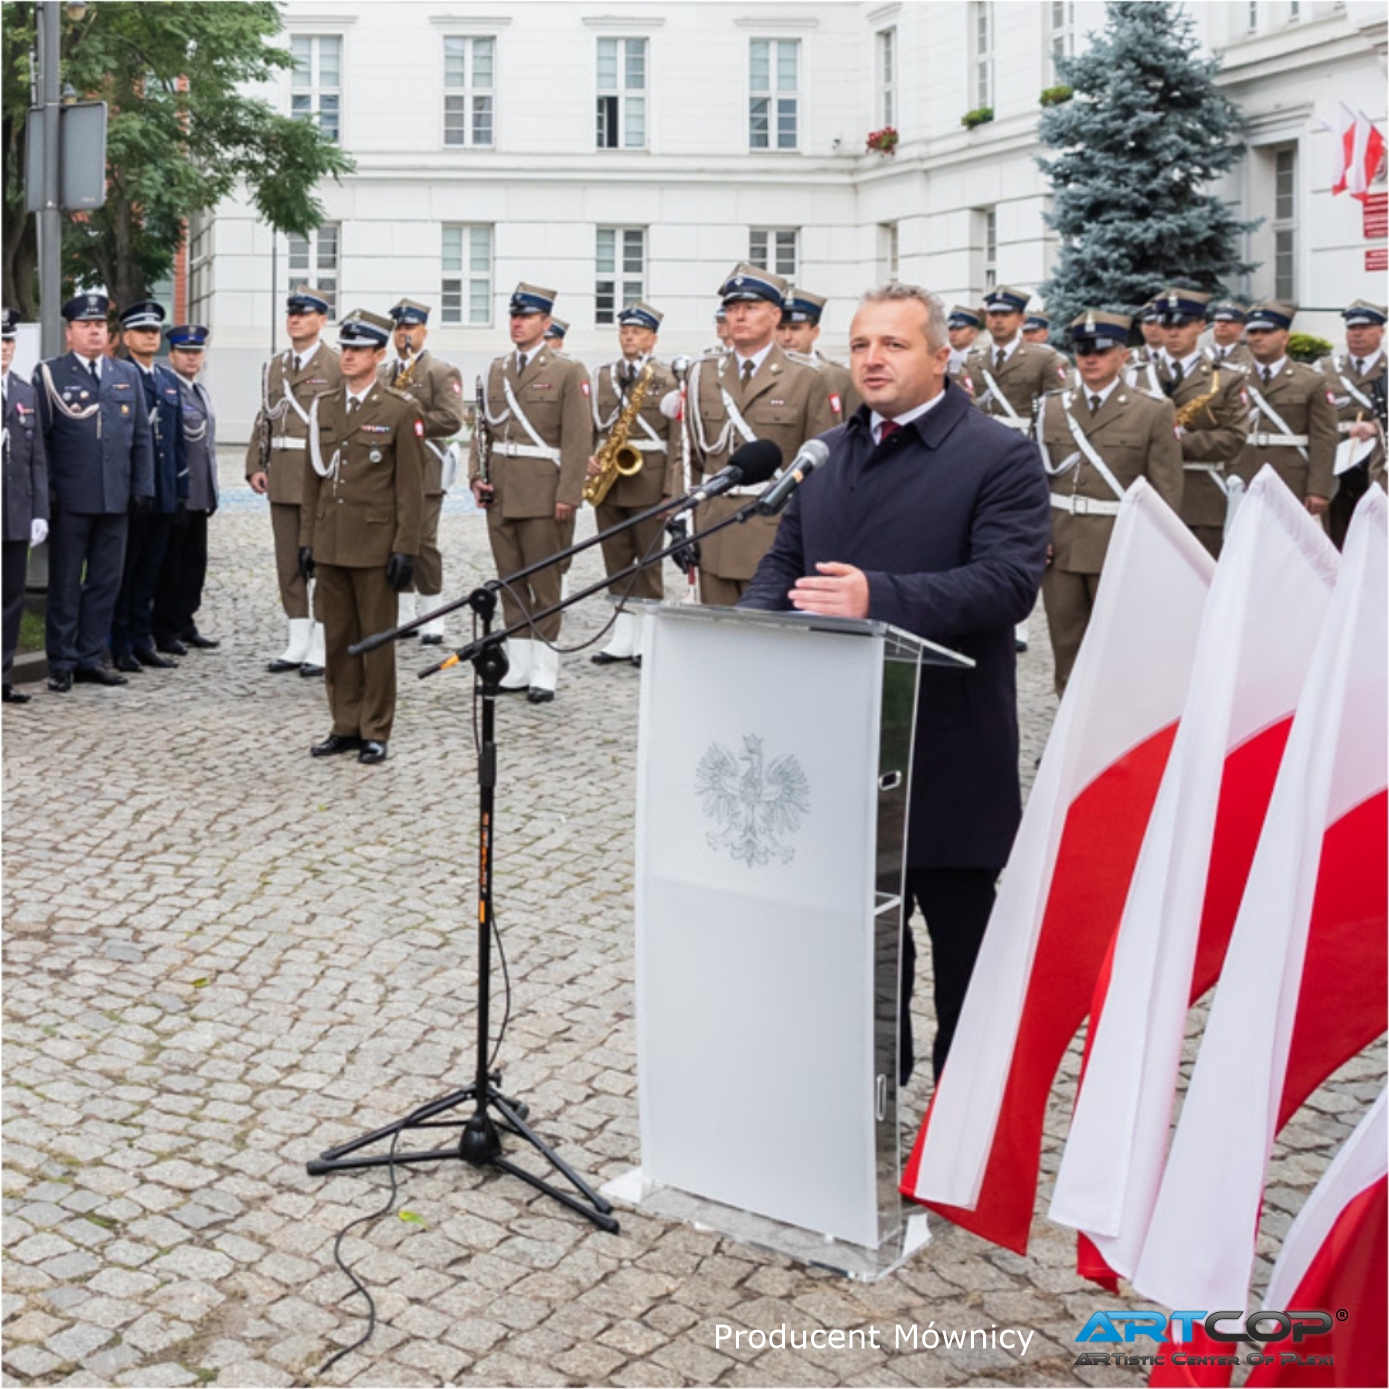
1345, 147
1334, 1257
1267, 607
977, 1155
1366, 153
1304, 984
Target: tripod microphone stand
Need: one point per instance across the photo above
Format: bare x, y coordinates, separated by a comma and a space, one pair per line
479, 1143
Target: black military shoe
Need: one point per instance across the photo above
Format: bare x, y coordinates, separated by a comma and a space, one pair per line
372, 751
432, 639
335, 743
538, 696
147, 656
10, 695
604, 658
174, 647
197, 639
279, 664
308, 671
98, 675
60, 683
636, 662
126, 661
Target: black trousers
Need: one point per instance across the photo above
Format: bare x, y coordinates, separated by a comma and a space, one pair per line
179, 593
81, 601
132, 627
14, 565
956, 903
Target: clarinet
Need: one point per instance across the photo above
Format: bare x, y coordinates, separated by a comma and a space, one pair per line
482, 436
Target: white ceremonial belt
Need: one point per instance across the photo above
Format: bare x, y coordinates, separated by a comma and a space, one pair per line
1214, 469
1260, 440
646, 446
527, 451
289, 443
1013, 422
1344, 426
1085, 506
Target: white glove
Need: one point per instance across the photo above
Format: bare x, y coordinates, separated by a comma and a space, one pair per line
38, 531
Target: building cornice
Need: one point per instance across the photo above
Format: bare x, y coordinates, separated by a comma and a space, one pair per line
776, 22
470, 23
635, 23
295, 19
882, 14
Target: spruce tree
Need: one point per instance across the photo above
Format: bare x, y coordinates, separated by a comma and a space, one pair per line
1138, 144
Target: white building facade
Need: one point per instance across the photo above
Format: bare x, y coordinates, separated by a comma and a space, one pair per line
613, 151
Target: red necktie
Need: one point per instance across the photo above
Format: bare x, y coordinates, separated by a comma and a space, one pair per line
886, 430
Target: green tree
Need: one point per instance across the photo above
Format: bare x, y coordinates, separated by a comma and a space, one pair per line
1138, 145
183, 133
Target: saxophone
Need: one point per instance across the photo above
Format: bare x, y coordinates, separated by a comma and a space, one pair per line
617, 458
1193, 407
404, 378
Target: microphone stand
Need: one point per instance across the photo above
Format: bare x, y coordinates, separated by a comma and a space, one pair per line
479, 1143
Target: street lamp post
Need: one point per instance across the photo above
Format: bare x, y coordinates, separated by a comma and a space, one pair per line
50, 217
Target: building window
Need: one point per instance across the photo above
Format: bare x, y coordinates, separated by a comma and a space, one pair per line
621, 265
773, 248
888, 263
1294, 12
887, 77
1252, 18
774, 105
1063, 33
468, 67
466, 291
313, 264
1285, 225
983, 54
316, 84
201, 264
621, 94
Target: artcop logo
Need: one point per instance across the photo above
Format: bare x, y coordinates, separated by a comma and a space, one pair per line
1265, 1328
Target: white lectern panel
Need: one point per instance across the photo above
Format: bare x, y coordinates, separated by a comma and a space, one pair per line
755, 867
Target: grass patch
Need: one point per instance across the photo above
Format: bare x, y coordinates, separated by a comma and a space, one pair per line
31, 636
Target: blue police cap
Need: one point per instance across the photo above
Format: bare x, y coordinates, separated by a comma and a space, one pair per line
642, 315
305, 301
363, 329
87, 308
1006, 299
529, 299
191, 337
145, 314
747, 282
1270, 315
410, 313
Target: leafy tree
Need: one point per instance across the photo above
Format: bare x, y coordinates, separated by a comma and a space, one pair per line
183, 132
1139, 143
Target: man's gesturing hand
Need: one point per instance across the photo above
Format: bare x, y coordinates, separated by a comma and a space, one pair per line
837, 590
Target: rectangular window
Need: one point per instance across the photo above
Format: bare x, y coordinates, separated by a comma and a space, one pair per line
983, 54
887, 77
313, 264
1063, 30
316, 82
888, 263
621, 94
773, 248
621, 270
1294, 12
465, 293
1252, 21
468, 90
774, 101
201, 265
1285, 225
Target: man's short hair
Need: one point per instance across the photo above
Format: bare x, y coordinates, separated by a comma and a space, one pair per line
896, 292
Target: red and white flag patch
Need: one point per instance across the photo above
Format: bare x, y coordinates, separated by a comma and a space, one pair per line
419, 429
836, 404
457, 387
583, 386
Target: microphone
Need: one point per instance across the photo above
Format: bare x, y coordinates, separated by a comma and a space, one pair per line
753, 463
813, 454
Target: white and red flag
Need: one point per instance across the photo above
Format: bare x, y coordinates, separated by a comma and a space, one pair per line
1335, 1257
1345, 147
977, 1155
1304, 984
1359, 151
1265, 612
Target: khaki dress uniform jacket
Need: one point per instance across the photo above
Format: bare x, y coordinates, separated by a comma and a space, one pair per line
437, 388
841, 383
1032, 369
1135, 436
1354, 401
278, 448
1237, 356
786, 402
660, 474
1301, 397
365, 508
1210, 441
528, 479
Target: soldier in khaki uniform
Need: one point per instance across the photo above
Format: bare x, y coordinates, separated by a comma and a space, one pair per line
1036, 327
554, 334
360, 531
656, 438
1227, 345
437, 389
1353, 375
752, 391
962, 328
797, 334
275, 463
541, 432
1292, 422
1140, 370
1212, 413
1097, 440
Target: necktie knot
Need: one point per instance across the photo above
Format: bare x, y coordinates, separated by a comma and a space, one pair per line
1000, 356
887, 429
748, 369
1176, 374
1268, 375
1360, 366
1095, 403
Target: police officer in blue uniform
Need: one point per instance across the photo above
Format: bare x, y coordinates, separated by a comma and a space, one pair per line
180, 591
132, 629
25, 498
96, 434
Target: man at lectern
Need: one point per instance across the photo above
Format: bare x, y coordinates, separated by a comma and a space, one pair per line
933, 517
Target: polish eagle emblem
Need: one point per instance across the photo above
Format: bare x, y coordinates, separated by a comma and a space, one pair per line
754, 804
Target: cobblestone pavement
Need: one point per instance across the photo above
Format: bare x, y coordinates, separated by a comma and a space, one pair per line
222, 957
